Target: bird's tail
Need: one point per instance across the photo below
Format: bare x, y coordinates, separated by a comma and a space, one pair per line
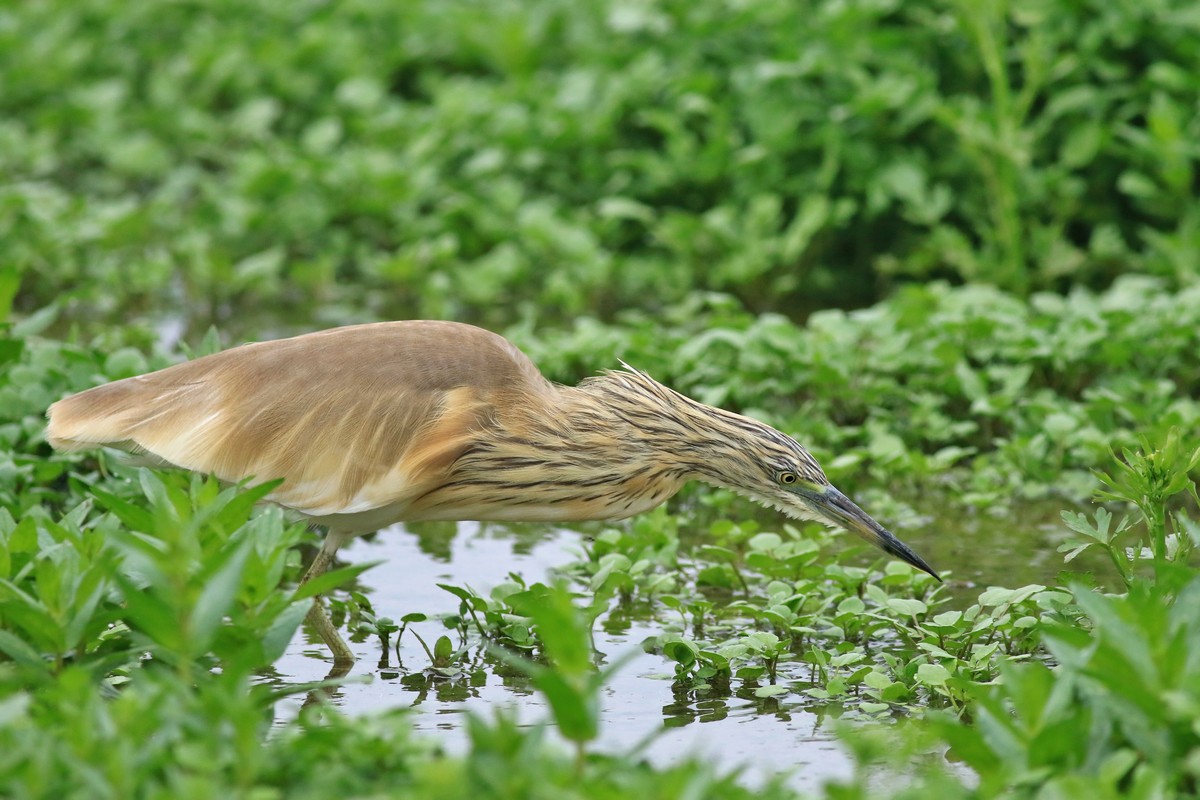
101, 417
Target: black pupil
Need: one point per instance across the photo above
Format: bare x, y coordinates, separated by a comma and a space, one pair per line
788, 477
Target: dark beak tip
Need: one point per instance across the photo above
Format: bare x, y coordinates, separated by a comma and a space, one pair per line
904, 553
928, 570
913, 560
850, 516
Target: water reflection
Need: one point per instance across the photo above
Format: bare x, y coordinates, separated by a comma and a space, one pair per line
719, 701
640, 701
727, 723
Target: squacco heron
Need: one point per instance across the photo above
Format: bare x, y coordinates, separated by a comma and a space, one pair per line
373, 424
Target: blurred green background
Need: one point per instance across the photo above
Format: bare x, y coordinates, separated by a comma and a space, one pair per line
278, 165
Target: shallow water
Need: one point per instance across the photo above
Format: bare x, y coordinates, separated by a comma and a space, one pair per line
764, 736
731, 732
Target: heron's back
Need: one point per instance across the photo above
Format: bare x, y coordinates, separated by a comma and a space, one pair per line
354, 419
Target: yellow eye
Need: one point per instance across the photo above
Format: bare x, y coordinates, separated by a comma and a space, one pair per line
787, 477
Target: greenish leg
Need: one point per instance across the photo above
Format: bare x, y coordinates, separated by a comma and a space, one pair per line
343, 656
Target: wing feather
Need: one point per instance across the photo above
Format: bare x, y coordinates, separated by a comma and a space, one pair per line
354, 419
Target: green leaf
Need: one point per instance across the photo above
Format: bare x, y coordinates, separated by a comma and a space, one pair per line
282, 630
218, 594
37, 322
948, 619
149, 613
683, 653
10, 282
462, 594
907, 606
132, 516
236, 504
970, 382
721, 555
576, 713
765, 541
31, 615
1073, 551
998, 596
165, 501
932, 674
10, 350
877, 680
332, 579
564, 635
92, 588
851, 605
21, 652
845, 659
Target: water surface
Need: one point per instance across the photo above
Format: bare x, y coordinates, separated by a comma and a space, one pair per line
764, 736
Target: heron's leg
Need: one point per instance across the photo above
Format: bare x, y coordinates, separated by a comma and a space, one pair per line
343, 656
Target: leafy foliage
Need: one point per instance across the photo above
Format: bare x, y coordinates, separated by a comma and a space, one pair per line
1115, 715
424, 159
676, 184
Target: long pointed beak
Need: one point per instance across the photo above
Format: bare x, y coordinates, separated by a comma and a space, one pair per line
842, 511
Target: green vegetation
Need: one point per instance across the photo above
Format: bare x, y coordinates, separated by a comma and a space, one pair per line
425, 159
953, 247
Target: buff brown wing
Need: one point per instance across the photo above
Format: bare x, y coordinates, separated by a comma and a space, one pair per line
354, 420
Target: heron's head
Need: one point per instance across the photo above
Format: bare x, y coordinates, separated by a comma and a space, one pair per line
774, 469
808, 494
747, 456
771, 467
